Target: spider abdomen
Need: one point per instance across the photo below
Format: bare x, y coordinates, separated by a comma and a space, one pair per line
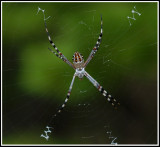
78, 60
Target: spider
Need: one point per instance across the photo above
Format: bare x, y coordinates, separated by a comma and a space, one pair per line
79, 66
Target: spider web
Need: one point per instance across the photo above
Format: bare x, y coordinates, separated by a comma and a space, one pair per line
35, 81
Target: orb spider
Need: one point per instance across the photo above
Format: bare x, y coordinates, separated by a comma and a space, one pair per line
79, 66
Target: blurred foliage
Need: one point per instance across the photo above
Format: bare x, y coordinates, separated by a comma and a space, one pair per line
35, 82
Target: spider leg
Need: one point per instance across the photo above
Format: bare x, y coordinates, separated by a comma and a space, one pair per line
110, 99
59, 53
67, 98
94, 50
61, 57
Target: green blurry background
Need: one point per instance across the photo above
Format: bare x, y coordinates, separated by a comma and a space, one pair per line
35, 81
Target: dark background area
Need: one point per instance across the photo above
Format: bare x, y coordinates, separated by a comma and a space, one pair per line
35, 82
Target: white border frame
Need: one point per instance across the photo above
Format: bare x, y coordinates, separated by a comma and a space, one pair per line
89, 144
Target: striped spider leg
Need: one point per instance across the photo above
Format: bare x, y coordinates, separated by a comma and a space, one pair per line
94, 50
110, 99
58, 54
67, 98
93, 81
78, 62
